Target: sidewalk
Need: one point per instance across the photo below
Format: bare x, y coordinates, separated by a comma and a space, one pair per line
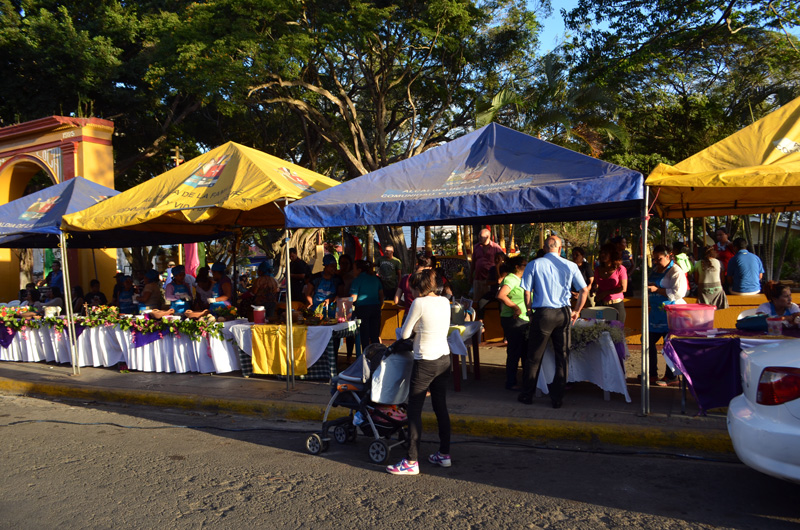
483, 408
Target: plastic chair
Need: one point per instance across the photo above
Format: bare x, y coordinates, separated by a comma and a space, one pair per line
604, 312
747, 313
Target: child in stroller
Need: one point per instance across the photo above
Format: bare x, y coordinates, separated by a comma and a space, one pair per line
375, 389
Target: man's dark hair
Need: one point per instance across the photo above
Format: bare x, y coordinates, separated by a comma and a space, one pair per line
740, 243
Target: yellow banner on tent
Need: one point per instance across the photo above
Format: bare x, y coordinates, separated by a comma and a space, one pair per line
755, 170
229, 186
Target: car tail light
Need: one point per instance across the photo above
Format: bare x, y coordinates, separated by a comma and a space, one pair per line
778, 385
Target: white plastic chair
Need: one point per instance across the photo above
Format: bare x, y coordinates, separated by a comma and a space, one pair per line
604, 312
747, 313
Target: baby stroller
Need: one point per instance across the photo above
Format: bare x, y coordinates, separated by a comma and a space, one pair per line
372, 388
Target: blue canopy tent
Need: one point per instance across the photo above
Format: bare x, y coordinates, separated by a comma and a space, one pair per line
492, 175
34, 221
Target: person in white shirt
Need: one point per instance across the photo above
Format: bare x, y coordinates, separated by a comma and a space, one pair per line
429, 320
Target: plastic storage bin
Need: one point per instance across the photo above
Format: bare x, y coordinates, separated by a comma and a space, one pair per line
690, 317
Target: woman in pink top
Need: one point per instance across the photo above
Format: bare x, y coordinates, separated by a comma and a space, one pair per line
610, 280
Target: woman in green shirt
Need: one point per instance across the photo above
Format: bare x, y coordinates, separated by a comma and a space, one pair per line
513, 318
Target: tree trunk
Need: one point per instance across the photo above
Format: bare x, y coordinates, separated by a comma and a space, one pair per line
459, 241
784, 246
25, 256
769, 246
748, 229
501, 237
428, 238
414, 243
140, 258
370, 245
512, 244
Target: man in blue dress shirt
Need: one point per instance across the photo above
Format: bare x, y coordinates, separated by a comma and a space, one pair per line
548, 282
745, 270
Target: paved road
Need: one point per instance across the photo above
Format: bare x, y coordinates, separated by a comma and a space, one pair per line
158, 476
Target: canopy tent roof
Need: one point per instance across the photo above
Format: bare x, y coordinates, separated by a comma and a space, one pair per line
33, 221
492, 175
755, 170
228, 187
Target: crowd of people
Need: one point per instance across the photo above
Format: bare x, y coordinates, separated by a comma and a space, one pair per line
175, 291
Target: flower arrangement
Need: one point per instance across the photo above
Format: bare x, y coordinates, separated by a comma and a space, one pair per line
100, 315
227, 312
590, 332
11, 318
97, 316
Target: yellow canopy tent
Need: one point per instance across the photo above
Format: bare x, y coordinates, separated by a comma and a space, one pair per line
228, 187
225, 189
756, 170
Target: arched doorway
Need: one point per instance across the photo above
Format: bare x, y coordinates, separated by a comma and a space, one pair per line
61, 147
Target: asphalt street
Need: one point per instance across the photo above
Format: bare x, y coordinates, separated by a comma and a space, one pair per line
90, 465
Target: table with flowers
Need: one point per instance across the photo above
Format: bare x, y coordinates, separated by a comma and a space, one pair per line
106, 338
597, 354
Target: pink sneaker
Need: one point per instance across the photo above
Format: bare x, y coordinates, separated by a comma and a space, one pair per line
440, 459
404, 467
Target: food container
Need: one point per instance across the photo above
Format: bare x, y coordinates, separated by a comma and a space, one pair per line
259, 314
775, 326
690, 317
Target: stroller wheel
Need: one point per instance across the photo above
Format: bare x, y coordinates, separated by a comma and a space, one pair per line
315, 444
340, 434
379, 451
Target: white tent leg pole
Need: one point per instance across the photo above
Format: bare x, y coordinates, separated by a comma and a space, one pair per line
645, 313
73, 351
289, 330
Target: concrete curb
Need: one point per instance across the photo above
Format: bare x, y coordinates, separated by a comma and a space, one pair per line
481, 426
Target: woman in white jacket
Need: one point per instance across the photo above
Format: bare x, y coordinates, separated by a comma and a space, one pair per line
429, 320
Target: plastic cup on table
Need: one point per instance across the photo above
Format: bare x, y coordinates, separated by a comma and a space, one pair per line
775, 326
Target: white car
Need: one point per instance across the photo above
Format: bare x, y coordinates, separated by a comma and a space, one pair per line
764, 421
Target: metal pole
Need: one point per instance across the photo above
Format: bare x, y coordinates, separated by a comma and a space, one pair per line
235, 291
645, 311
289, 330
73, 349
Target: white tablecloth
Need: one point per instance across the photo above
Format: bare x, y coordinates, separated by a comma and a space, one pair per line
597, 363
108, 345
457, 341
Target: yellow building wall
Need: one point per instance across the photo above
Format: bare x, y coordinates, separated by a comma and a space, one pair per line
92, 159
